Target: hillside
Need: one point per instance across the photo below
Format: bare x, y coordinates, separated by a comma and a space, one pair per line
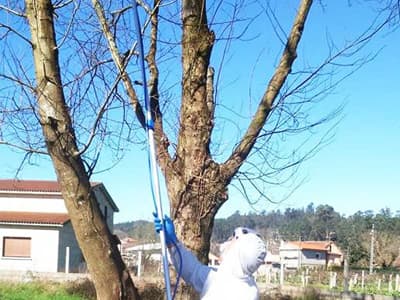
352, 233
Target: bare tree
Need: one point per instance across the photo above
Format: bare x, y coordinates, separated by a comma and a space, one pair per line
197, 183
88, 114
385, 247
99, 247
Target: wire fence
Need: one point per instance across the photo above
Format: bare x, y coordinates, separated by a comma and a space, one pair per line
382, 282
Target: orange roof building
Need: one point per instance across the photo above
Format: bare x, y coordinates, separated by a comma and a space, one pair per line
297, 254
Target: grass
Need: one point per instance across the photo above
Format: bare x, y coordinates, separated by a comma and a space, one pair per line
44, 291
149, 289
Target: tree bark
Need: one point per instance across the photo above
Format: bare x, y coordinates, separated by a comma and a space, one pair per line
195, 185
109, 273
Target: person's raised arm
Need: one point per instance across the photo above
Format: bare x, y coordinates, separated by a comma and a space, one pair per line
186, 264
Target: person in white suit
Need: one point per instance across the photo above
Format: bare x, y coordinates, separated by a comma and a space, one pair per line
242, 255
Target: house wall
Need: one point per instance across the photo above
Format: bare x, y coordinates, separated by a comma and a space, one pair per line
55, 204
334, 260
295, 258
105, 208
290, 258
48, 243
44, 248
51, 205
336, 256
76, 260
313, 258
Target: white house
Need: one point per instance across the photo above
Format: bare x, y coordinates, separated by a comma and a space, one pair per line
297, 254
35, 230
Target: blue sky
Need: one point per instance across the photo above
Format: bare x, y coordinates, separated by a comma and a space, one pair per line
358, 170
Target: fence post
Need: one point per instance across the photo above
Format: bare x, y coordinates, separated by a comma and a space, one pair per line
362, 279
67, 259
346, 275
282, 274
332, 279
139, 263
307, 276
268, 275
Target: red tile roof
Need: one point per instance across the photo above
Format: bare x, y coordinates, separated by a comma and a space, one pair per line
31, 185
42, 189
312, 245
33, 217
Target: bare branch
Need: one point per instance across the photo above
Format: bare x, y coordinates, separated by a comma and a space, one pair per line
76, 7
25, 149
161, 138
116, 55
10, 29
60, 4
99, 115
278, 79
11, 11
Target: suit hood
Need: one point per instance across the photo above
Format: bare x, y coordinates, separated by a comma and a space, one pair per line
245, 255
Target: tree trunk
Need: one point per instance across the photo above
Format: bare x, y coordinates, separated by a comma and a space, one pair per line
107, 269
195, 185
195, 200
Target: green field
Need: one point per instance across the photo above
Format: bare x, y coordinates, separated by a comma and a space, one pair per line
45, 291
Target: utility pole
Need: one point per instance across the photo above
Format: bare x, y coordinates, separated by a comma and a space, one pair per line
346, 271
371, 259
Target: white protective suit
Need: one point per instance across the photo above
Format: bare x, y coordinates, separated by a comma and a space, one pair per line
233, 279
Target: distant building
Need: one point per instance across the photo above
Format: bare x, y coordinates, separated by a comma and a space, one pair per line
35, 230
133, 255
126, 243
297, 254
272, 260
213, 260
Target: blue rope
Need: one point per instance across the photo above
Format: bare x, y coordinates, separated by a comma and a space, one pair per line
152, 155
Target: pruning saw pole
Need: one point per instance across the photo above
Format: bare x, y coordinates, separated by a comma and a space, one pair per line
155, 184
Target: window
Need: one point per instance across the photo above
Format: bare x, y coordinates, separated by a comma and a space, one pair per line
17, 246
105, 212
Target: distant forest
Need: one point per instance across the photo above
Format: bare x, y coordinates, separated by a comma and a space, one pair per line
353, 234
